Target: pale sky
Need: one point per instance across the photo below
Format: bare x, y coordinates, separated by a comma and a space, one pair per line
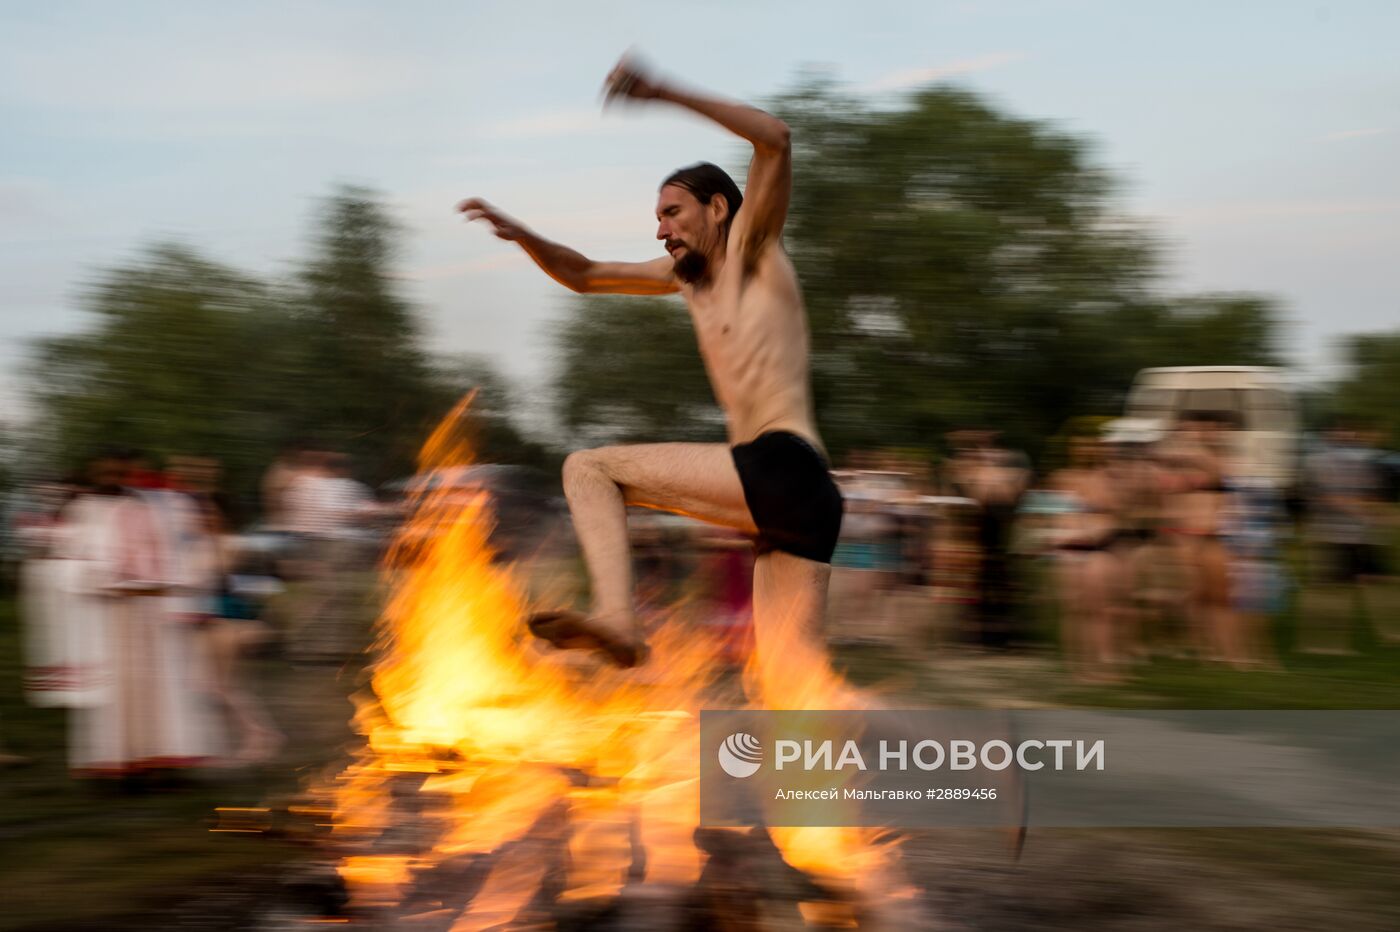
1260, 139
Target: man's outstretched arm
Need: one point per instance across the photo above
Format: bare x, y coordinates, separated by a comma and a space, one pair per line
769, 183
571, 268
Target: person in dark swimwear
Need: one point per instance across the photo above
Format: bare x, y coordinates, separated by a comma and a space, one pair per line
772, 481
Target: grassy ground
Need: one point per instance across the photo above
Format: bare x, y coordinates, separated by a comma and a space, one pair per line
1150, 878
1036, 678
79, 855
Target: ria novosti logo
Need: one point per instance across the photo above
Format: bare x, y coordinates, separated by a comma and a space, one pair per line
740, 755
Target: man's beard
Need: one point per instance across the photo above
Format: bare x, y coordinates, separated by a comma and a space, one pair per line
690, 268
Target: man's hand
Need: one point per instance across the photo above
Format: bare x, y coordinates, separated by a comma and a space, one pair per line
769, 185
505, 227
629, 79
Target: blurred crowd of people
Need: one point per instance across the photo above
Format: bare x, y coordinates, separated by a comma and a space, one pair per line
1181, 541
140, 594
1146, 539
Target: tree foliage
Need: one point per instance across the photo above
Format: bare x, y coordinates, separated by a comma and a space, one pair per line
1369, 393
629, 372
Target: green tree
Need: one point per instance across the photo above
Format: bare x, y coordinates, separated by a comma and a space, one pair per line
175, 361
630, 372
1204, 330
966, 267
1370, 390
367, 385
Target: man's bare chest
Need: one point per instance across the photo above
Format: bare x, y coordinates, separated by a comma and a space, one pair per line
730, 320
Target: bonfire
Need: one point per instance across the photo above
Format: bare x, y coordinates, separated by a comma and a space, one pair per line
503, 784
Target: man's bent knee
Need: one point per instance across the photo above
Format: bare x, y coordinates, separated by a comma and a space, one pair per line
582, 469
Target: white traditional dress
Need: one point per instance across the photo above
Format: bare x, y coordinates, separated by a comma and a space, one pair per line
148, 709
61, 668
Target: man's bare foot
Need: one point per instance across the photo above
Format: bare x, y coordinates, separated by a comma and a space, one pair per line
568, 630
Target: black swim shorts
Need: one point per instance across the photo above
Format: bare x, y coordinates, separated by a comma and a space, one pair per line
791, 495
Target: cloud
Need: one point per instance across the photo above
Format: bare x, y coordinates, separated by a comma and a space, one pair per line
1353, 134
917, 77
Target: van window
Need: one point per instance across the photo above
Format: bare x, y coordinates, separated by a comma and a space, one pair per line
1153, 402
1270, 409
1210, 399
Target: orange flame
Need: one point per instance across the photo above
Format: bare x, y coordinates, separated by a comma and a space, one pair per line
498, 739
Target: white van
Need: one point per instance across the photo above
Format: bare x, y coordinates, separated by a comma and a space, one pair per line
1261, 397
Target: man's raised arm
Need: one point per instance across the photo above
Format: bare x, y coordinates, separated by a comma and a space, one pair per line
571, 268
769, 184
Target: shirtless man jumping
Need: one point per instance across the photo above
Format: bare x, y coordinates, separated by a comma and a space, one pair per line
772, 480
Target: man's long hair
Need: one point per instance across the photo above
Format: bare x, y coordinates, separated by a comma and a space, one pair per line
705, 180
